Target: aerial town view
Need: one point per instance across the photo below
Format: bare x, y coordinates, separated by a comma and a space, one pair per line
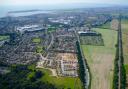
63, 44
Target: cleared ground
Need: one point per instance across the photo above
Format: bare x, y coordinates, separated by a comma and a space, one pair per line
67, 56
124, 24
101, 59
114, 24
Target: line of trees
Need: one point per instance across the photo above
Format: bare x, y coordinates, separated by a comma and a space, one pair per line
116, 70
123, 71
81, 65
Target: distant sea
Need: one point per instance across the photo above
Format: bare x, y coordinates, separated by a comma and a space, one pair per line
12, 11
44, 8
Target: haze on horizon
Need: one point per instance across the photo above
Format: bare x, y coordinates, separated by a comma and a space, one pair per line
57, 2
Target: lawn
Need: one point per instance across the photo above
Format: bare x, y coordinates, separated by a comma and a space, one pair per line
4, 38
39, 49
36, 40
60, 82
101, 59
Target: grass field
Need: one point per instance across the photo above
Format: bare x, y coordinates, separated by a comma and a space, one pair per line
36, 40
60, 82
110, 25
106, 25
51, 29
39, 49
101, 59
3, 38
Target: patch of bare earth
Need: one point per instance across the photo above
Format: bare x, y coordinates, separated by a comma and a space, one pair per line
114, 24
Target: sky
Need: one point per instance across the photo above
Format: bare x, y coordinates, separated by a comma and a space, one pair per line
54, 2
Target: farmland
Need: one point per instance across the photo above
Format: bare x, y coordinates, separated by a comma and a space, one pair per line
110, 25
101, 59
124, 24
77, 48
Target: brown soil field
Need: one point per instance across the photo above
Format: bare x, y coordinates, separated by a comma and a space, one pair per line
114, 24
67, 56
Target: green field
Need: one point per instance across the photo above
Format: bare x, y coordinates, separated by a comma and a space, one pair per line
4, 38
39, 49
113, 25
125, 40
107, 25
101, 59
36, 40
51, 29
126, 67
60, 82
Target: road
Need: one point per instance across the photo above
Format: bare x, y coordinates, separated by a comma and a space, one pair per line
52, 41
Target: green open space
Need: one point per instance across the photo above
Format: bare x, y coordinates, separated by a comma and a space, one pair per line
51, 29
4, 38
36, 40
30, 77
39, 49
101, 59
113, 25
107, 25
126, 67
59, 82
23, 77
